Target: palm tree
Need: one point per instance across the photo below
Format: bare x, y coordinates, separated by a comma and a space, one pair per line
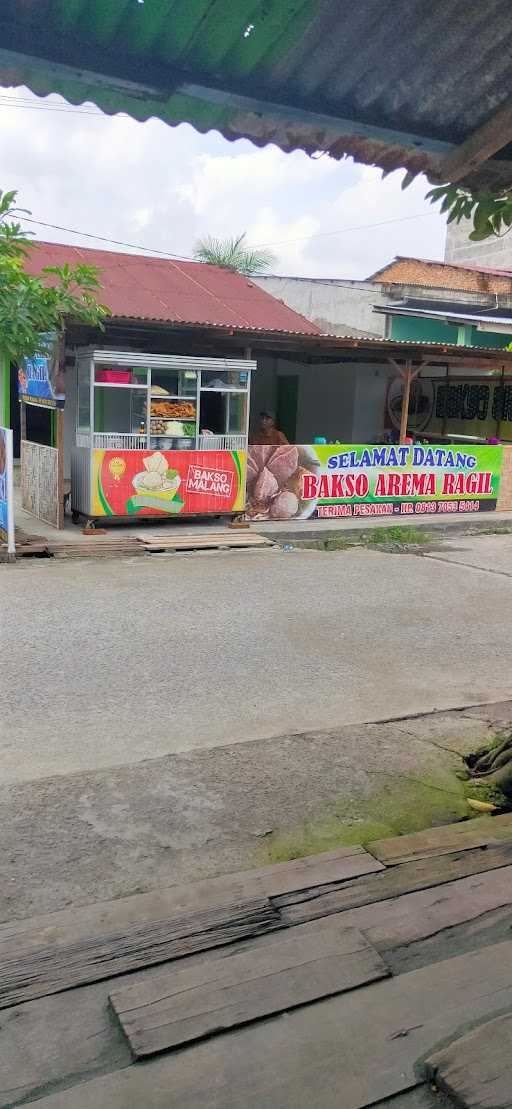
233, 254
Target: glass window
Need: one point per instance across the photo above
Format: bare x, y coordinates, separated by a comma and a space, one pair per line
237, 414
173, 383
120, 410
84, 396
224, 380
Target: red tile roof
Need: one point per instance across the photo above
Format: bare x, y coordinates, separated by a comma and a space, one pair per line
138, 287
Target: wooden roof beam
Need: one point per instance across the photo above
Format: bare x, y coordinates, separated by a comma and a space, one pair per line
492, 136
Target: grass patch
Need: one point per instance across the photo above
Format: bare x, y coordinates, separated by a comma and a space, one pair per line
498, 529
485, 791
409, 806
397, 534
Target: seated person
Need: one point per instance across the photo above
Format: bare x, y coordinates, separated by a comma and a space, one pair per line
267, 434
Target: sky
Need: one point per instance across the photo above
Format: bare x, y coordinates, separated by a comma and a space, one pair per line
154, 186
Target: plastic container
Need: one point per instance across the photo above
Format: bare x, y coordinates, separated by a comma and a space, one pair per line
114, 377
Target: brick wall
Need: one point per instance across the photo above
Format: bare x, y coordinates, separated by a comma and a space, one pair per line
505, 494
432, 275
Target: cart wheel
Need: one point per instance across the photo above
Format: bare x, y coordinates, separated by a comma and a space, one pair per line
75, 516
90, 525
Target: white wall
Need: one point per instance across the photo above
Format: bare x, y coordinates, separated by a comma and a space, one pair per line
338, 307
369, 403
343, 401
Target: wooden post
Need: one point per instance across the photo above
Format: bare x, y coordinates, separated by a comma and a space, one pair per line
59, 443
407, 374
23, 420
407, 378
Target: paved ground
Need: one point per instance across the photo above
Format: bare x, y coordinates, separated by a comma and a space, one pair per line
161, 714
110, 662
108, 833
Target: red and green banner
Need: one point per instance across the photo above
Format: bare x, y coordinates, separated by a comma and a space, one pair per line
298, 482
167, 483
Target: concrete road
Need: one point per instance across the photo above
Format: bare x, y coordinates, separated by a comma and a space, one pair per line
106, 663
490, 553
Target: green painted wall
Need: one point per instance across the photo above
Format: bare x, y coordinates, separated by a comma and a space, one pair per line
489, 339
419, 329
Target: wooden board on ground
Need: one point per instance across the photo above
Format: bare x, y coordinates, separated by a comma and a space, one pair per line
27, 545
319, 870
484, 831
206, 541
97, 546
69, 1034
328, 870
342, 1053
391, 882
476, 1070
51, 968
299, 966
412, 917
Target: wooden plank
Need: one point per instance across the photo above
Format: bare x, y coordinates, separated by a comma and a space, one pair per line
205, 542
412, 917
48, 969
70, 1033
329, 869
490, 137
476, 1070
299, 966
342, 1053
393, 882
485, 831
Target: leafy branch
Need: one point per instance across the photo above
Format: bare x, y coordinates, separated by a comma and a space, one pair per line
491, 213
31, 306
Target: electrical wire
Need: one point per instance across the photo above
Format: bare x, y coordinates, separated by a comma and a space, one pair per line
187, 258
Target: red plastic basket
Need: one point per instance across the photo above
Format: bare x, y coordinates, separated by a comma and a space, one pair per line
115, 377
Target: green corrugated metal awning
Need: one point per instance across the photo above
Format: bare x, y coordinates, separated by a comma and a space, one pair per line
398, 83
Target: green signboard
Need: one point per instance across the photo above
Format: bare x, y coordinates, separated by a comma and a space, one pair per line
297, 482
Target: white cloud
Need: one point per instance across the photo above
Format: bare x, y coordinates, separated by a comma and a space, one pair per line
162, 187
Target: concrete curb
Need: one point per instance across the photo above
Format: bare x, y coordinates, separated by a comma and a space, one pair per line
486, 523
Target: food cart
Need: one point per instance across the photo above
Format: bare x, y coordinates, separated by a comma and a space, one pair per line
159, 435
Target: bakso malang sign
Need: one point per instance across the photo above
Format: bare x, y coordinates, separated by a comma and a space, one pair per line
297, 482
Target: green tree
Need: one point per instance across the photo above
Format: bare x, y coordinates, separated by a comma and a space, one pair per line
31, 306
233, 254
490, 210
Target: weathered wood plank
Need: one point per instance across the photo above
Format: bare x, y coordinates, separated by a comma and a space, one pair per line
70, 1033
297, 967
49, 969
390, 883
486, 831
200, 542
342, 1053
69, 925
476, 1070
401, 921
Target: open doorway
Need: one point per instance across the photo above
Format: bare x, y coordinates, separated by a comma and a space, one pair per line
287, 401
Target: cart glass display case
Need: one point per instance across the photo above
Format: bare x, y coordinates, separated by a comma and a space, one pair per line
159, 435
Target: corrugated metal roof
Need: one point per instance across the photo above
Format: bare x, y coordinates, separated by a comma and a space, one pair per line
443, 314
393, 84
137, 287
407, 348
